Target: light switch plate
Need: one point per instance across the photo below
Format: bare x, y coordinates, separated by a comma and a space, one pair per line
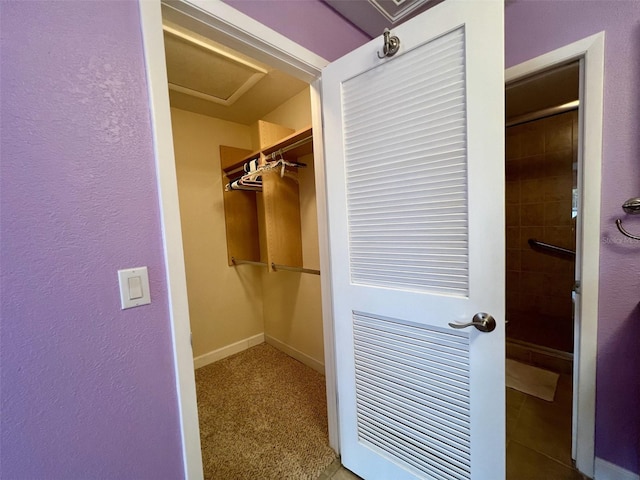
138, 278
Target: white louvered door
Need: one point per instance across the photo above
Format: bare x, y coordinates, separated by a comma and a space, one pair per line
414, 148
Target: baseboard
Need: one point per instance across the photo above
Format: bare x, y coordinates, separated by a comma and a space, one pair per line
297, 354
220, 353
547, 358
540, 349
608, 471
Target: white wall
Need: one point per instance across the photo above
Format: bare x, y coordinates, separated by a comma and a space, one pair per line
225, 303
228, 305
292, 307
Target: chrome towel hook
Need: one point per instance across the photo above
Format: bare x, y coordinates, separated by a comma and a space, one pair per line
391, 44
631, 206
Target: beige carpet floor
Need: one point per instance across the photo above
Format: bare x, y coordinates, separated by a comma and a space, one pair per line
263, 415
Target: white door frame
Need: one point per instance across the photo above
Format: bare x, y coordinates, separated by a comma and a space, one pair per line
224, 24
590, 52
253, 38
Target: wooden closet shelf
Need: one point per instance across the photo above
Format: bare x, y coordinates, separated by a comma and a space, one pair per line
266, 226
304, 149
233, 169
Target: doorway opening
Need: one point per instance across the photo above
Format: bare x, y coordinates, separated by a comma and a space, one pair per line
589, 53
244, 165
171, 226
542, 199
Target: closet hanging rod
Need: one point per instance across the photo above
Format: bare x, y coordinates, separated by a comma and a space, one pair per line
241, 167
277, 267
252, 180
533, 243
300, 142
271, 154
247, 262
273, 150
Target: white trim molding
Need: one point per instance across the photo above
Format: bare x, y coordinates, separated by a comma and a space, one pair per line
608, 471
222, 23
302, 357
590, 52
153, 40
228, 350
325, 265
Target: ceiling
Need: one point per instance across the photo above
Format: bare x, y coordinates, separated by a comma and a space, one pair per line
545, 90
208, 78
373, 16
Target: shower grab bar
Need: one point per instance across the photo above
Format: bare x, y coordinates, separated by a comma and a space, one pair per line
553, 249
631, 206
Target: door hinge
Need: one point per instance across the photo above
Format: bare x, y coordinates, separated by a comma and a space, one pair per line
576, 287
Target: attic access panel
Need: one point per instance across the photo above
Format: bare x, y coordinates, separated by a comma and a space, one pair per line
193, 68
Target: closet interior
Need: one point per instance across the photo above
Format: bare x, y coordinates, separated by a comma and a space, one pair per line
272, 172
245, 171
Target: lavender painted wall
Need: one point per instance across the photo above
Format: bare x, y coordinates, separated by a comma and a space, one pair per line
534, 28
311, 23
88, 390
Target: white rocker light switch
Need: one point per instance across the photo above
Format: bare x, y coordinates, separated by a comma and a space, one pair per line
134, 287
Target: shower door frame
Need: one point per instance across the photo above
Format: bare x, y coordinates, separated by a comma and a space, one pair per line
590, 53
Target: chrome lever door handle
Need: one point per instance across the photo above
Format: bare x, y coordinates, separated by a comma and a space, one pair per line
482, 321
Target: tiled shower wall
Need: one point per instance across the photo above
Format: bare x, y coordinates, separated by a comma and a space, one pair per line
541, 176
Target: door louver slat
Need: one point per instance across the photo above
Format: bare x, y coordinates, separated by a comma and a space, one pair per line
406, 156
412, 395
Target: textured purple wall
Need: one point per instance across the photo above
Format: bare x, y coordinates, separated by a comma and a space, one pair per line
311, 23
88, 390
534, 28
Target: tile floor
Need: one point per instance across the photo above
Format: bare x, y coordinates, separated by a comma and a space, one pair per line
538, 438
336, 471
539, 435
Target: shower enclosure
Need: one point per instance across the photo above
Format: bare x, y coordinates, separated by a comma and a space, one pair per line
540, 218
541, 210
